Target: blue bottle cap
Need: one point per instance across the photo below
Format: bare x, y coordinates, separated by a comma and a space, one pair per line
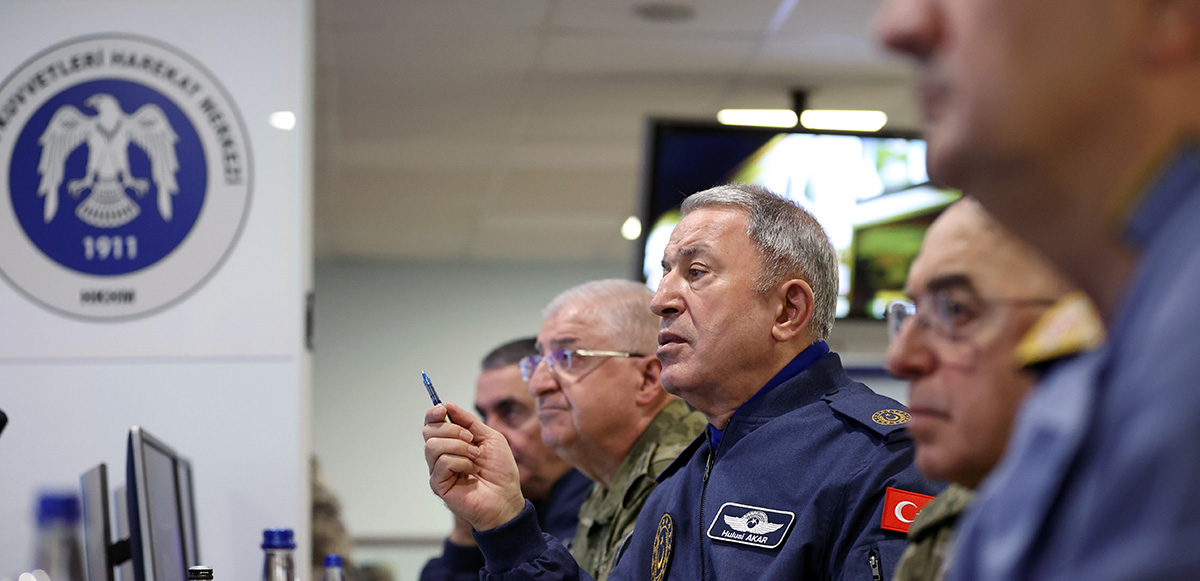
278, 539
333, 560
57, 506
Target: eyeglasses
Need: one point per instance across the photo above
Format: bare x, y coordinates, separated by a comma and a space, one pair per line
563, 359
946, 315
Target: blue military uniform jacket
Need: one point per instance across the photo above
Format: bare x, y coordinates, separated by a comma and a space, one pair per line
815, 455
557, 515
795, 490
1101, 479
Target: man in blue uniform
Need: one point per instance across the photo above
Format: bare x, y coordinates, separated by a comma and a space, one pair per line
503, 401
800, 469
1075, 122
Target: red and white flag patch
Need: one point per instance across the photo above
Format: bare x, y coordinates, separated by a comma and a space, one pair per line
900, 508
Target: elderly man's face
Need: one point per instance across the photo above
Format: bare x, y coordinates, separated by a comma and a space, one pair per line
503, 400
1006, 83
715, 325
965, 387
581, 407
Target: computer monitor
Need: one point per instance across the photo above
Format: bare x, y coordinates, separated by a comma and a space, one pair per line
155, 513
120, 505
869, 191
187, 510
97, 538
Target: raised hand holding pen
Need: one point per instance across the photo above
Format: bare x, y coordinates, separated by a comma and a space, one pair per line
471, 468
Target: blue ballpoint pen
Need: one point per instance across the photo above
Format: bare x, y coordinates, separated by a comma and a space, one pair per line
433, 396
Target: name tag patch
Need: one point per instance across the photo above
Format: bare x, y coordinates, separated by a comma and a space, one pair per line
751, 525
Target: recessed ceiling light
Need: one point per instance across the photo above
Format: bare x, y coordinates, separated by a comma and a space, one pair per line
665, 12
843, 120
757, 117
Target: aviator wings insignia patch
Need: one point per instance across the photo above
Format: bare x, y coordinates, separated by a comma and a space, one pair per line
751, 525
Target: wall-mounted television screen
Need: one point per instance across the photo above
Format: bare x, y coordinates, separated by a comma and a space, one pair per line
870, 191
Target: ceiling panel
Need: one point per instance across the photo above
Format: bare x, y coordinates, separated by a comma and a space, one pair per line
441, 153
828, 16
553, 156
552, 236
409, 15
529, 192
513, 129
617, 18
606, 54
435, 53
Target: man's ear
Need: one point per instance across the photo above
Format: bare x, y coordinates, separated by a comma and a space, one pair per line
650, 389
796, 302
1170, 37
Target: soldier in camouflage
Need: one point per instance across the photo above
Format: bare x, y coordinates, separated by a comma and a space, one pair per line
605, 518
602, 408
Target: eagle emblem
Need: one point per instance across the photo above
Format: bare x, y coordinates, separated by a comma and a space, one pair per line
754, 522
108, 136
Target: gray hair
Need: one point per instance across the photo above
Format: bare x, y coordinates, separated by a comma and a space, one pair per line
792, 243
623, 306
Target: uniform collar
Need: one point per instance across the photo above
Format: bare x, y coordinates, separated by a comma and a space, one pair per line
1068, 327
797, 366
637, 463
1174, 185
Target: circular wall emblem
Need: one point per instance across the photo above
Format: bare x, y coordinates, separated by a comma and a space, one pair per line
125, 175
891, 417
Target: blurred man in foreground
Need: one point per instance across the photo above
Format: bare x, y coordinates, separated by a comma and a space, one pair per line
794, 475
504, 403
1075, 123
976, 291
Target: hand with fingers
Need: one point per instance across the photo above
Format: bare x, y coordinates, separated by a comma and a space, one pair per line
471, 468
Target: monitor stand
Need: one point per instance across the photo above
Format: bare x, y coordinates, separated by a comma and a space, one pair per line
121, 504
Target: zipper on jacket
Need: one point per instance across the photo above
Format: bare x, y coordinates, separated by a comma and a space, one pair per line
876, 572
712, 458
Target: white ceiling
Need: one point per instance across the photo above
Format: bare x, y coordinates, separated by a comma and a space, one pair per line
482, 130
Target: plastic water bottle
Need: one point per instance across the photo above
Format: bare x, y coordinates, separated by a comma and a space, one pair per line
199, 573
57, 549
278, 562
334, 568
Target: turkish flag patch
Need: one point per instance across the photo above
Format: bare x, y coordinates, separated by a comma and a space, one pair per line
900, 508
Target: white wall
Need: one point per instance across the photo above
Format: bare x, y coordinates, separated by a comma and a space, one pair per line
222, 375
378, 325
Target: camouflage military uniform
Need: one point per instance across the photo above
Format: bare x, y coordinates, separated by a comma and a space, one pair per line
607, 516
930, 535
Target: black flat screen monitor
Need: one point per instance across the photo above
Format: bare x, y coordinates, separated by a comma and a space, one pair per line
97, 535
868, 190
158, 508
160, 515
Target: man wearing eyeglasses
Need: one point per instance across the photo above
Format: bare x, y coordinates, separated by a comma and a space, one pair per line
802, 472
504, 403
976, 291
1075, 122
602, 408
